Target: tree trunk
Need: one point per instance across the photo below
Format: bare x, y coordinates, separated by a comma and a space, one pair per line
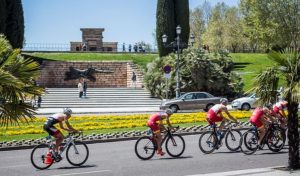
293, 135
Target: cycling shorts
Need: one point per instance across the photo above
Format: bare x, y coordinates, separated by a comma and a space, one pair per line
49, 127
213, 117
154, 126
257, 123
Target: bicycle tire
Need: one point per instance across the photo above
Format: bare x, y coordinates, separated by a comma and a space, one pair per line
250, 142
233, 136
81, 148
175, 142
211, 142
40, 156
273, 140
144, 148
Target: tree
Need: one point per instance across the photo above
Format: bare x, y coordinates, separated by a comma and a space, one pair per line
165, 24
215, 33
272, 23
233, 37
197, 25
182, 19
169, 15
2, 16
14, 23
17, 77
286, 66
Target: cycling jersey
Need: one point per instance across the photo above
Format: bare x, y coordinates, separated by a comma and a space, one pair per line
256, 116
278, 106
49, 125
212, 115
153, 122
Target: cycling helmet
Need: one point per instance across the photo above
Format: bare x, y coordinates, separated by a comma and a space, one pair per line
169, 111
223, 100
67, 111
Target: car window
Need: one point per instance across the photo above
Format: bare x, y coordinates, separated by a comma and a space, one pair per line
189, 97
201, 95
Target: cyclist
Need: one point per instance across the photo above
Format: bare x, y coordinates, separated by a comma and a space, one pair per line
261, 117
49, 127
215, 114
278, 111
156, 125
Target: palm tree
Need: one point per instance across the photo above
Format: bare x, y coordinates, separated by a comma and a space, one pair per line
286, 70
17, 77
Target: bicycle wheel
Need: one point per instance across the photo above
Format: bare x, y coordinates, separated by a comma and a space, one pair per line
38, 156
208, 142
144, 148
77, 154
233, 140
175, 145
276, 140
250, 142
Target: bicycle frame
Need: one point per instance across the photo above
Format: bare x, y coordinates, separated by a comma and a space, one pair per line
168, 133
69, 141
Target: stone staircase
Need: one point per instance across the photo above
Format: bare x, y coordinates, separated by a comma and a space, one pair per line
131, 67
99, 98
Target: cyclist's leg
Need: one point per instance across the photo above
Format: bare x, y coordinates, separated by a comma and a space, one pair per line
59, 137
156, 133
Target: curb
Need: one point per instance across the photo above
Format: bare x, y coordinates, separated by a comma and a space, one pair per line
108, 140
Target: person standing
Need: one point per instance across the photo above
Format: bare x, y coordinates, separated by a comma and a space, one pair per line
80, 89
133, 79
84, 88
39, 101
124, 49
129, 48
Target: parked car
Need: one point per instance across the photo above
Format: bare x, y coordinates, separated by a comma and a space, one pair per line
245, 103
191, 101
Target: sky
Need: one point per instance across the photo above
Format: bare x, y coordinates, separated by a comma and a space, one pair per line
125, 21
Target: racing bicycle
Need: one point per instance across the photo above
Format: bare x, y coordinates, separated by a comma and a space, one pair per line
146, 146
43, 156
212, 140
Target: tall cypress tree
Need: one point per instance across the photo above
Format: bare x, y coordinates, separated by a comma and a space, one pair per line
2, 16
165, 24
14, 23
182, 19
170, 14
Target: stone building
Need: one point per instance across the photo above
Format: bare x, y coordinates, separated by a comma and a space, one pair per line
92, 41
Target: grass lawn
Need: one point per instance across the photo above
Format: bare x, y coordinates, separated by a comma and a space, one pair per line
247, 64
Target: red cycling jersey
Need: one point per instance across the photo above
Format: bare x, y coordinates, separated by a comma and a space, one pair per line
256, 116
212, 115
153, 122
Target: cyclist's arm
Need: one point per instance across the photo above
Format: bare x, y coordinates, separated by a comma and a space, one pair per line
169, 123
229, 115
62, 126
70, 128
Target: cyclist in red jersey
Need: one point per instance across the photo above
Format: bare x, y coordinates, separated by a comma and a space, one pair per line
278, 111
156, 125
215, 114
261, 117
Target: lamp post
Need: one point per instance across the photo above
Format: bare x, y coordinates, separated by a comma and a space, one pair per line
177, 45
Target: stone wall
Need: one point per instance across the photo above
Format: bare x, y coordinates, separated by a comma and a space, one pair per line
53, 74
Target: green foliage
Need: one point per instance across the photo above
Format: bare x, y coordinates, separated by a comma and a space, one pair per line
170, 14
271, 23
182, 19
13, 25
16, 75
3, 15
197, 25
199, 72
165, 24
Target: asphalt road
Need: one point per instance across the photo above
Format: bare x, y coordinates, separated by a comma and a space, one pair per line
118, 159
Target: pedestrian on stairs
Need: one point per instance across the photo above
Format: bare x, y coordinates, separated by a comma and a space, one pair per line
80, 89
84, 88
133, 79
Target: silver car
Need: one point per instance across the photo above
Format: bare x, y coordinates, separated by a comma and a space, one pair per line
191, 101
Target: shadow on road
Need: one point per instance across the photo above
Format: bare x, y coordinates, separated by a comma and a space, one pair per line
76, 167
170, 158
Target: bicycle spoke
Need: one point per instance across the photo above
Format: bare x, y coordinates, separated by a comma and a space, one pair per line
208, 142
175, 145
144, 148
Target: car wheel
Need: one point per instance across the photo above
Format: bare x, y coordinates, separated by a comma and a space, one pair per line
246, 107
174, 108
208, 107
